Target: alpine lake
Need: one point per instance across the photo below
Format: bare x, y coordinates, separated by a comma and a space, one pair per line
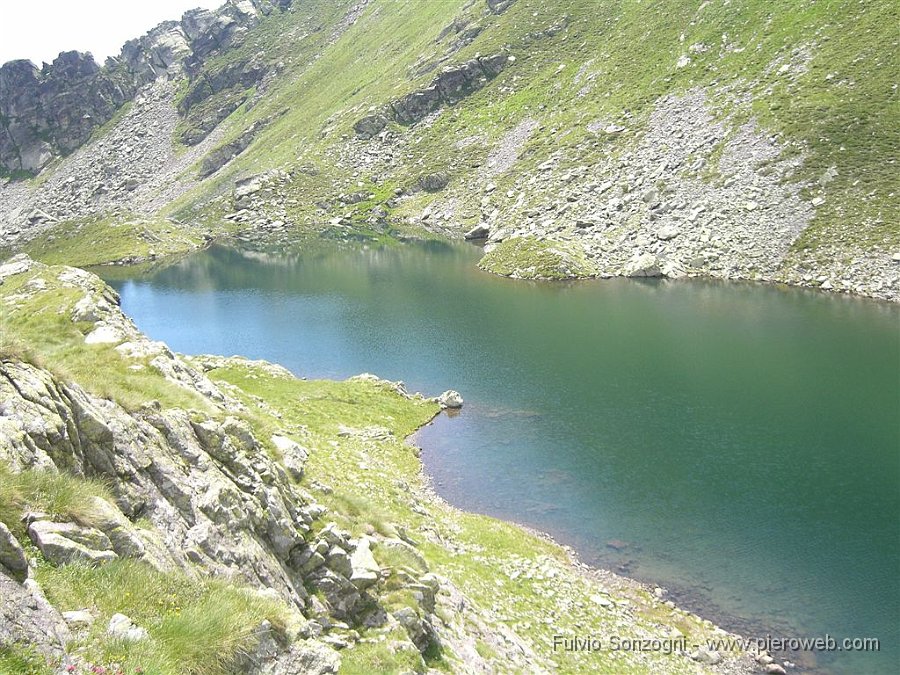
737, 444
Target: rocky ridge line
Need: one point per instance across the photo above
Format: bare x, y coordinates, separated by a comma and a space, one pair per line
49, 112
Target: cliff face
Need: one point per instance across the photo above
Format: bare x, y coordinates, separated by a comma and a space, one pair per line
51, 111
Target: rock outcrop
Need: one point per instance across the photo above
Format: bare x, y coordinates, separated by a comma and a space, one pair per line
51, 111
451, 86
12, 557
27, 618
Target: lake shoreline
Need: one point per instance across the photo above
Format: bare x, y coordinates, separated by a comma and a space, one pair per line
683, 598
604, 579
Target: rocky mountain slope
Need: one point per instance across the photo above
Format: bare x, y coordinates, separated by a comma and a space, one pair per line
162, 514
737, 139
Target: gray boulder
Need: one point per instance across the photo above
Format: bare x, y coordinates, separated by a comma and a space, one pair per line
499, 6
63, 543
293, 455
78, 619
645, 265
12, 557
365, 569
27, 618
122, 534
480, 231
370, 125
450, 399
123, 628
434, 182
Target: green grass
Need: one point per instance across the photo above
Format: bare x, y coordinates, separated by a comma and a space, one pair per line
61, 496
37, 327
533, 258
369, 658
109, 239
22, 660
195, 627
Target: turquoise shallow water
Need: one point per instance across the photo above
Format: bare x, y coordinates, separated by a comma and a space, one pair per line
740, 444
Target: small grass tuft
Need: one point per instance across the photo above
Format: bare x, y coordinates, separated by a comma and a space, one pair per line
60, 495
22, 660
195, 627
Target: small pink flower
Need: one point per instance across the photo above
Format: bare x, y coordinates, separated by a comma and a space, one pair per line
70, 669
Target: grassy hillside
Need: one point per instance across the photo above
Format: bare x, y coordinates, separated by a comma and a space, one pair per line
818, 75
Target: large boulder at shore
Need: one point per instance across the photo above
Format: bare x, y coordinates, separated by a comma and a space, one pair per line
480, 231
644, 265
450, 399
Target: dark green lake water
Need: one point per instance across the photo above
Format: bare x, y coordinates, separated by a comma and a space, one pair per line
741, 441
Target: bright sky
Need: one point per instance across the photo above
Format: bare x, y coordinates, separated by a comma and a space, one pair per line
40, 29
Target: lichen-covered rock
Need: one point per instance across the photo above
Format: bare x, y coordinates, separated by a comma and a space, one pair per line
123, 628
452, 85
214, 497
53, 110
27, 618
645, 265
365, 569
293, 455
122, 534
370, 125
78, 619
420, 631
63, 543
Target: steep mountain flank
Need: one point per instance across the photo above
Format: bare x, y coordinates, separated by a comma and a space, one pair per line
52, 111
747, 140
